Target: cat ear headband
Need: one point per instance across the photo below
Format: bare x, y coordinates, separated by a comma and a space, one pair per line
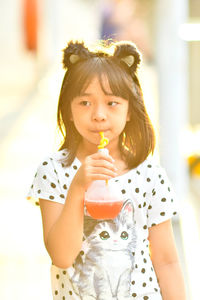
125, 52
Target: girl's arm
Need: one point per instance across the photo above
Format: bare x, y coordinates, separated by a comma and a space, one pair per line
63, 224
165, 261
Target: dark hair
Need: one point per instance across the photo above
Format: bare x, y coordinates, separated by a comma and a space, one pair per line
138, 139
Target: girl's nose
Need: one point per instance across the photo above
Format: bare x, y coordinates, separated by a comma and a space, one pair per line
99, 114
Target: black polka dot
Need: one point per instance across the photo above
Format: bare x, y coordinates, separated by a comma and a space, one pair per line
62, 165
64, 187
137, 190
64, 272
163, 200
116, 180
144, 260
57, 276
66, 174
148, 179
144, 204
63, 298
134, 295
81, 252
45, 163
64, 154
55, 171
70, 292
145, 297
51, 197
162, 213
144, 284
143, 270
62, 196
172, 200
174, 213
133, 253
129, 180
39, 191
169, 189
149, 166
133, 282
44, 177
75, 167
140, 206
153, 192
153, 224
56, 292
63, 285
37, 203
136, 266
162, 181
35, 174
138, 172
159, 176
150, 278
123, 191
32, 186
53, 185
144, 195
155, 289
142, 252
145, 227
149, 207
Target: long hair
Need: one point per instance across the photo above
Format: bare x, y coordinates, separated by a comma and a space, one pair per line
137, 140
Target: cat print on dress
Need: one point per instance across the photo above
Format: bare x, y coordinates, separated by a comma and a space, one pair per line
98, 271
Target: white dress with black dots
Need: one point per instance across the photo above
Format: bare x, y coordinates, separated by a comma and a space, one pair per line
104, 270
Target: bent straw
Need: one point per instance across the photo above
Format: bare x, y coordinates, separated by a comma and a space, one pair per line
103, 142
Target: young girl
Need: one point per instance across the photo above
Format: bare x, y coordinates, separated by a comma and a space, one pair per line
132, 256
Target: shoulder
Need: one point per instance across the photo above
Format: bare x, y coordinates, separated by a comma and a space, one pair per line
55, 162
150, 167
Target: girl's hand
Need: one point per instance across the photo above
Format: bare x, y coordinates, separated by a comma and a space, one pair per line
98, 166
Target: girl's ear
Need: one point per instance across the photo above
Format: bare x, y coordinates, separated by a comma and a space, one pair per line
74, 52
128, 54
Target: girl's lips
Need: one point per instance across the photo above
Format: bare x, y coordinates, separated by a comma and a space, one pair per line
97, 131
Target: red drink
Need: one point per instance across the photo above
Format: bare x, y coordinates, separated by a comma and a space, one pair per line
103, 210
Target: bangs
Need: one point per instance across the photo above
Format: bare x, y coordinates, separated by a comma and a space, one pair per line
120, 82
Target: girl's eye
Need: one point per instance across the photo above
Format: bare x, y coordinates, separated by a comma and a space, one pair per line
85, 103
113, 103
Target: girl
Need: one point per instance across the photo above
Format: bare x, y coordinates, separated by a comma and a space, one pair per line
132, 256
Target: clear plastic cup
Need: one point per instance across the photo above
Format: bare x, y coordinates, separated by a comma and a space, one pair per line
103, 200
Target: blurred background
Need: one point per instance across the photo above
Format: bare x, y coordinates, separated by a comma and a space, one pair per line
33, 34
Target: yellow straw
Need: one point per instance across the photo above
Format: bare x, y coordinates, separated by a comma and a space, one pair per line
103, 142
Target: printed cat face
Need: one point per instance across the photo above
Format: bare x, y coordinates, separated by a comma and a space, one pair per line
115, 234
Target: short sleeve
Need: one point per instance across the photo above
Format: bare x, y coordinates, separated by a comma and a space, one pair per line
48, 183
163, 202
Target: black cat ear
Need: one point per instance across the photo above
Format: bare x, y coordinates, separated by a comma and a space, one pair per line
74, 52
128, 53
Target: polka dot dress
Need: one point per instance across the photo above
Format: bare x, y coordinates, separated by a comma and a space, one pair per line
151, 195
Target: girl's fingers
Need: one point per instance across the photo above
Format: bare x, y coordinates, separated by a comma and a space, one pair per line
100, 177
101, 155
102, 171
103, 164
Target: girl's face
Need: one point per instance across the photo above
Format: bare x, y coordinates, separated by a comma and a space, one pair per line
94, 111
